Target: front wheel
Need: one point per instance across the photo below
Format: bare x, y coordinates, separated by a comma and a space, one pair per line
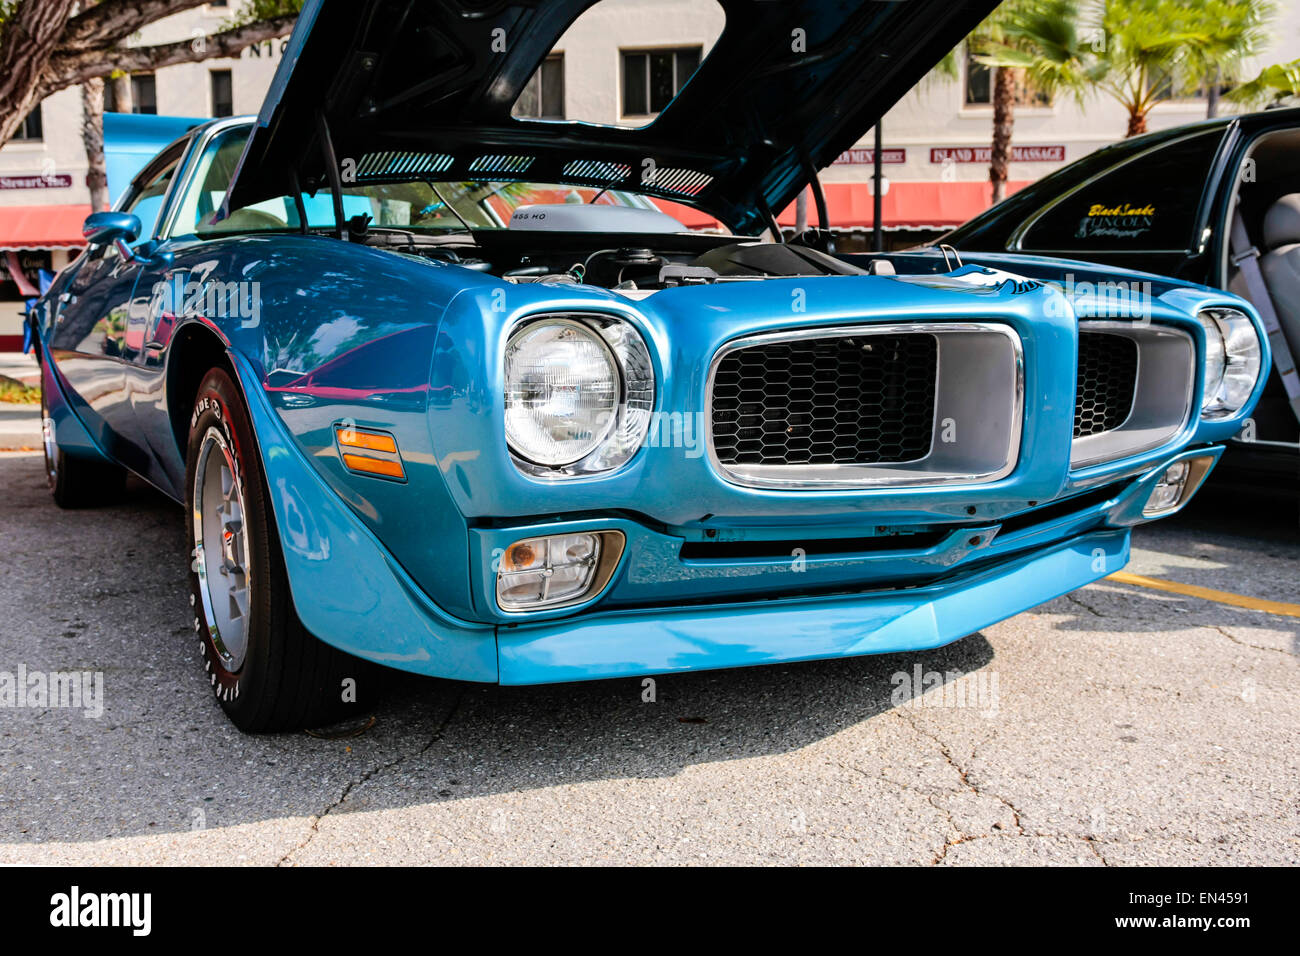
264, 667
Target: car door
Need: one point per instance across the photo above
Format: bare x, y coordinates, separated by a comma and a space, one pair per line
92, 336
1265, 152
182, 263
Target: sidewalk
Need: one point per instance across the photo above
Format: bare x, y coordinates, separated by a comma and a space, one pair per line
20, 366
20, 425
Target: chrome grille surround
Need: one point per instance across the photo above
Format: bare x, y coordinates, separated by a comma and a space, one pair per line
979, 367
1163, 389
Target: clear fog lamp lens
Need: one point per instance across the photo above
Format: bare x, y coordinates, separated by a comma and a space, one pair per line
1168, 491
542, 572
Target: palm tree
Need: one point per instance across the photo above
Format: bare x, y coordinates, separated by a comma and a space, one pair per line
1274, 84
1154, 48
1036, 43
1029, 45
1006, 84
1236, 30
92, 137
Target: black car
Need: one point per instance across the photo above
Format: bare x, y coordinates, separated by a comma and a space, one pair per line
1164, 203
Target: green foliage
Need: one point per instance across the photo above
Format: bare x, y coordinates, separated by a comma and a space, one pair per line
1274, 83
1135, 51
12, 390
989, 33
1043, 39
1152, 46
7, 8
255, 10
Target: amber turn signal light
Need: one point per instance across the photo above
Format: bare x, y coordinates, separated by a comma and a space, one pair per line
372, 441
369, 452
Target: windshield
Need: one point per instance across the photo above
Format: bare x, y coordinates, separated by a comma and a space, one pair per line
457, 205
421, 206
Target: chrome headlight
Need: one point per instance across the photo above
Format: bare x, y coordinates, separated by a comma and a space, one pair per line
1232, 361
579, 390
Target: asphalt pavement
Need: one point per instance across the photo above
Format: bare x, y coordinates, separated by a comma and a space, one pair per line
1118, 725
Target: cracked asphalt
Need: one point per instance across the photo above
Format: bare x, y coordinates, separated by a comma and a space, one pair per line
1116, 726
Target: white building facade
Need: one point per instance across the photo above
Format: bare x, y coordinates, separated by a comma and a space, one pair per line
43, 194
619, 63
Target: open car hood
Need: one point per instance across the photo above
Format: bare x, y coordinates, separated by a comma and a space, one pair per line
421, 89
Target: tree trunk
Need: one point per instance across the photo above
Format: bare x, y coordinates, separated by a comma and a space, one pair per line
122, 92
102, 24
43, 48
1137, 123
1212, 95
92, 135
28, 36
68, 69
1005, 83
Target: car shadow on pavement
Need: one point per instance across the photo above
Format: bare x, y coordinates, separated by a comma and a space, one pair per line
104, 590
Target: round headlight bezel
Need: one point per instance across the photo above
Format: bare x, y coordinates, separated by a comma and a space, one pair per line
628, 421
1231, 373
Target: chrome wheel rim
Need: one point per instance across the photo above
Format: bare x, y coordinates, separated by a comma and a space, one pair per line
48, 443
221, 558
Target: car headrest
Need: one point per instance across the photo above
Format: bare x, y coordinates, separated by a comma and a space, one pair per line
1282, 222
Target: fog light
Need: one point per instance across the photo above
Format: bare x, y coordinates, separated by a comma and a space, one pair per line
1169, 491
556, 570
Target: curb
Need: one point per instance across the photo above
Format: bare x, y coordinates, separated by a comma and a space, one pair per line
20, 427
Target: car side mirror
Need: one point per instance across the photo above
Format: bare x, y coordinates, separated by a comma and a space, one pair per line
102, 227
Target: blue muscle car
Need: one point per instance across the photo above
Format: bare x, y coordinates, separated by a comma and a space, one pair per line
446, 390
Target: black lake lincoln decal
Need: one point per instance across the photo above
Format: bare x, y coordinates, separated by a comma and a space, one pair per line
1124, 221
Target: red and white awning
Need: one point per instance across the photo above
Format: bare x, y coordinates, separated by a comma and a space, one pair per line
42, 227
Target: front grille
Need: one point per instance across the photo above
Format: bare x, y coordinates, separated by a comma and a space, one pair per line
856, 400
1106, 382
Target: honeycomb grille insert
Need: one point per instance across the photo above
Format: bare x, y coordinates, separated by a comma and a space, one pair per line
1106, 382
860, 400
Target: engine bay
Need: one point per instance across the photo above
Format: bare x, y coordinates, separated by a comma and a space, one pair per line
626, 262
631, 250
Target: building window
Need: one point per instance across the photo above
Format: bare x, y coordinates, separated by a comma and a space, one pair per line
144, 94
979, 88
651, 78
979, 83
31, 129
1171, 87
543, 96
223, 94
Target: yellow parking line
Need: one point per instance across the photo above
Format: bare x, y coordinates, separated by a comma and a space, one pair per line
1207, 594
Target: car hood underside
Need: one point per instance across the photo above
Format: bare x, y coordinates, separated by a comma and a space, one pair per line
410, 89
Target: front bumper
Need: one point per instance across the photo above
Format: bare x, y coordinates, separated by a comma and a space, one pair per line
629, 643
352, 593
